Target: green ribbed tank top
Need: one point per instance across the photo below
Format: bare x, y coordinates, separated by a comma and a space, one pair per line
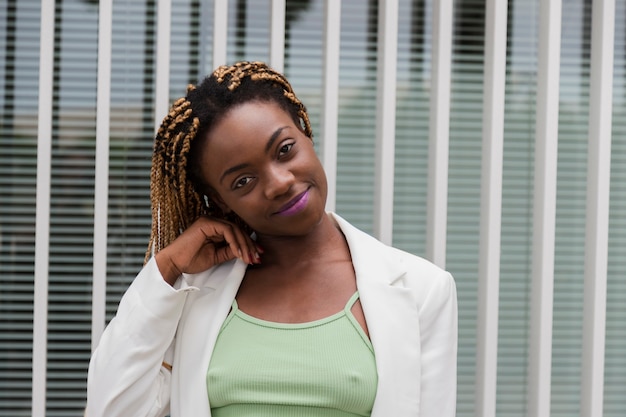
323, 368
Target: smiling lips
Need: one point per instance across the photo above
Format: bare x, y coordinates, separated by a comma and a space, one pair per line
295, 206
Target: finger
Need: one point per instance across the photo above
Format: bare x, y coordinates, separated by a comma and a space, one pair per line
240, 244
215, 238
246, 245
224, 254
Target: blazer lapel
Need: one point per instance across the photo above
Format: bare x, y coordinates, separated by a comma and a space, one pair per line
393, 322
197, 333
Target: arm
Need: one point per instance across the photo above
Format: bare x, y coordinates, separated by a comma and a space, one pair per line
439, 327
126, 376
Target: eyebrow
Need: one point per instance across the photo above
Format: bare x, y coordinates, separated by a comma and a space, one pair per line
273, 138
268, 146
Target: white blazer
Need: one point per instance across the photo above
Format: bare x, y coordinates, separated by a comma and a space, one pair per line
409, 304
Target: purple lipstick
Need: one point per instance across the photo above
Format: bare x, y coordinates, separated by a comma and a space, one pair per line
295, 206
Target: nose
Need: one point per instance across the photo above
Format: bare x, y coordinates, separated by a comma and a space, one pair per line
279, 180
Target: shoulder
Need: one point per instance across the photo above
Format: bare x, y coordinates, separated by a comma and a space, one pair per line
405, 269
423, 275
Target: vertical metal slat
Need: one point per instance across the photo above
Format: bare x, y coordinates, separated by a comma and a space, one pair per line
438, 149
330, 104
162, 76
277, 35
386, 118
101, 194
491, 203
544, 210
597, 213
42, 211
220, 32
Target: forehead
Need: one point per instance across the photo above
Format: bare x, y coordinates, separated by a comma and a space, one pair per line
252, 119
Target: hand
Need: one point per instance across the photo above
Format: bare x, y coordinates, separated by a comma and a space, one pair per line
204, 244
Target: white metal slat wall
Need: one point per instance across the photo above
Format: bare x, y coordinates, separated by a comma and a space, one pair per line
20, 48
597, 210
463, 230
330, 100
592, 392
546, 134
438, 152
71, 228
615, 366
385, 119
516, 234
42, 233
101, 194
130, 142
490, 207
414, 86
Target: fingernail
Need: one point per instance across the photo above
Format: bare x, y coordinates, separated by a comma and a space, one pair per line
255, 258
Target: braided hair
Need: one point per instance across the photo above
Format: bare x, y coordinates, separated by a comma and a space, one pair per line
176, 187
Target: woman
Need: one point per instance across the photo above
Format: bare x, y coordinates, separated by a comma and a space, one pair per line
256, 302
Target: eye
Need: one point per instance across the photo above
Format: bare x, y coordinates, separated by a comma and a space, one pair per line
242, 182
284, 149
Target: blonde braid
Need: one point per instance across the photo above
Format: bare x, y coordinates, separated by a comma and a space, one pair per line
259, 71
175, 204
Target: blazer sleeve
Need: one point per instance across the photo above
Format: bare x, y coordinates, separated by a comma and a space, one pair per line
127, 375
439, 333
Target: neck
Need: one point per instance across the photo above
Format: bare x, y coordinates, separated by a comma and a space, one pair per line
290, 251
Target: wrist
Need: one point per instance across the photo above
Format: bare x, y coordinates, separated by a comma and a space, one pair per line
167, 268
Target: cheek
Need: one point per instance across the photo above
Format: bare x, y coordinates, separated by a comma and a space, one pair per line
317, 167
242, 205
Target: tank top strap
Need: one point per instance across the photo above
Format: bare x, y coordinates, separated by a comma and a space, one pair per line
347, 309
351, 301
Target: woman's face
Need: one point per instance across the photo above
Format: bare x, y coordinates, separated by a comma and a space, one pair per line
260, 165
